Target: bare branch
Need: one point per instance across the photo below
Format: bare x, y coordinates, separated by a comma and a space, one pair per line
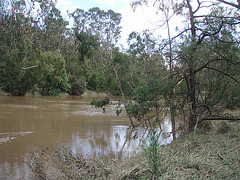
211, 16
230, 3
205, 65
199, 5
223, 73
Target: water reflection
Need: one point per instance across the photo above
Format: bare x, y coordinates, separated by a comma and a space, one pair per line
27, 123
106, 143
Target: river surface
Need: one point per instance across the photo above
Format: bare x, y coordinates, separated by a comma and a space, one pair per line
28, 123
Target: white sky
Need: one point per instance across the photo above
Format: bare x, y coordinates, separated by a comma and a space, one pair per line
143, 18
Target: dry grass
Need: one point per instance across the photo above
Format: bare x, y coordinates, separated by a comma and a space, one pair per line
205, 155
211, 152
62, 164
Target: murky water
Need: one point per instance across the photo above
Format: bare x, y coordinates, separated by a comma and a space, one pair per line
27, 123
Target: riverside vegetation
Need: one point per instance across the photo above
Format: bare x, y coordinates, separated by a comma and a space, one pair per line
210, 152
193, 72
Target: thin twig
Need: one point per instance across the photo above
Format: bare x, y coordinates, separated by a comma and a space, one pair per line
223, 159
231, 149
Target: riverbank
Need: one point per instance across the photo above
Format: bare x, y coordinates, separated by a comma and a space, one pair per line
2, 93
211, 152
86, 93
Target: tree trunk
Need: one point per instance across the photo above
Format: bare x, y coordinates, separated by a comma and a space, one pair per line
192, 83
172, 112
171, 95
193, 107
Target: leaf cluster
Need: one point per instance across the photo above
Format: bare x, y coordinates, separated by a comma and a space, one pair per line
100, 103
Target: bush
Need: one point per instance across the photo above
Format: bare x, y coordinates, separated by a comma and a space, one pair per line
78, 85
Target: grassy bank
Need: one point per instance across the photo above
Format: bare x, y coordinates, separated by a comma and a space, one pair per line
211, 152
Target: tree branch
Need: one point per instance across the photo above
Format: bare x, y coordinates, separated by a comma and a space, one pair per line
230, 3
212, 118
223, 73
211, 16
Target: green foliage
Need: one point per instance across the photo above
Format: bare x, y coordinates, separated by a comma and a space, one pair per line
100, 103
16, 76
97, 32
142, 103
24, 40
91, 82
118, 109
53, 79
151, 152
141, 94
78, 85
147, 97
86, 44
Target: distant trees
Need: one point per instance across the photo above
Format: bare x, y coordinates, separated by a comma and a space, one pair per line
194, 72
34, 34
16, 50
31, 43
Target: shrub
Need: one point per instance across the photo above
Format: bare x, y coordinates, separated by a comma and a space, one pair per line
78, 85
152, 154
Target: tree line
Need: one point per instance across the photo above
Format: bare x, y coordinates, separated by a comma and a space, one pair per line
195, 73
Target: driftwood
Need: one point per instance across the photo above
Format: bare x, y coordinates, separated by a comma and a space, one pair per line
223, 159
231, 149
30, 67
221, 156
219, 118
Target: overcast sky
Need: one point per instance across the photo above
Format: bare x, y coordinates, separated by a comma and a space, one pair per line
143, 18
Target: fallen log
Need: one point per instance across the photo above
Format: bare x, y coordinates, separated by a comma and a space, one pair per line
219, 118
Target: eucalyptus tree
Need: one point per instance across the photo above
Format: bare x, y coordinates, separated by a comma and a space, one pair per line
148, 76
217, 31
26, 28
205, 34
105, 27
16, 52
52, 27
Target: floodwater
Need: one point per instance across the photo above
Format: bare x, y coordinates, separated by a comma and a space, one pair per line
28, 123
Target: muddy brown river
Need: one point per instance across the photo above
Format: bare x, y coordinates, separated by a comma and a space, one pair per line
28, 123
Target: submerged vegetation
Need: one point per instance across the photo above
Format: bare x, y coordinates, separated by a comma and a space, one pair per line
211, 152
